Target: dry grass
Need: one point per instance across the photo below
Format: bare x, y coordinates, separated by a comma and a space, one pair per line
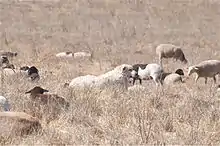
117, 32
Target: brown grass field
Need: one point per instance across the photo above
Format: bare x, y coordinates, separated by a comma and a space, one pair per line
114, 30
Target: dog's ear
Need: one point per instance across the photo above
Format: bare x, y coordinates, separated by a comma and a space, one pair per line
196, 68
124, 68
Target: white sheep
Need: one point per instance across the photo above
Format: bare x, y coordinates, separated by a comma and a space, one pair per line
82, 54
152, 70
4, 103
65, 54
73, 55
171, 78
205, 69
170, 51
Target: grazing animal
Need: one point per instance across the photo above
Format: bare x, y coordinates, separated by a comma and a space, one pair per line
32, 72
9, 54
170, 51
18, 124
170, 78
73, 55
67, 54
4, 61
81, 54
153, 71
4, 103
134, 72
37, 95
205, 69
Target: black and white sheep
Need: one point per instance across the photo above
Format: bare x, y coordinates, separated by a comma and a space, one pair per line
171, 78
170, 51
148, 71
205, 69
134, 72
32, 72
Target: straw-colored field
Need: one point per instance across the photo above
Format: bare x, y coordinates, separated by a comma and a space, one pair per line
115, 31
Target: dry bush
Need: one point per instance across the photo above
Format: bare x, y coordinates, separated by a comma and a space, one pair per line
115, 32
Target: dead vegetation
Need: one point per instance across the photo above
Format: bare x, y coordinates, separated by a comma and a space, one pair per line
115, 32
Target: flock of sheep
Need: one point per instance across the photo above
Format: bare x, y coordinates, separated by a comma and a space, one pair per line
122, 76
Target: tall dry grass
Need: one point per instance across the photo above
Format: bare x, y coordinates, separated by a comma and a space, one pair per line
115, 31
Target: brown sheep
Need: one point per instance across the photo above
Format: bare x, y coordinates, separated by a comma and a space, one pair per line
205, 69
37, 95
18, 124
47, 107
170, 51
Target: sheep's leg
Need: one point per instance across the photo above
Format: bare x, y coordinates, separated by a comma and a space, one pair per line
140, 81
214, 78
196, 79
205, 80
134, 80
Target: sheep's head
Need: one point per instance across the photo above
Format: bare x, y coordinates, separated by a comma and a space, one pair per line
36, 90
192, 69
4, 59
179, 72
24, 68
182, 58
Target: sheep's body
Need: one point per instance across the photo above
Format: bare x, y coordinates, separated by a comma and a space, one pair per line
37, 95
30, 72
49, 105
172, 78
17, 124
151, 70
205, 69
73, 55
65, 55
4, 103
170, 51
81, 54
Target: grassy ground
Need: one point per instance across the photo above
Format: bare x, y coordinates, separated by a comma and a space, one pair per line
114, 31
